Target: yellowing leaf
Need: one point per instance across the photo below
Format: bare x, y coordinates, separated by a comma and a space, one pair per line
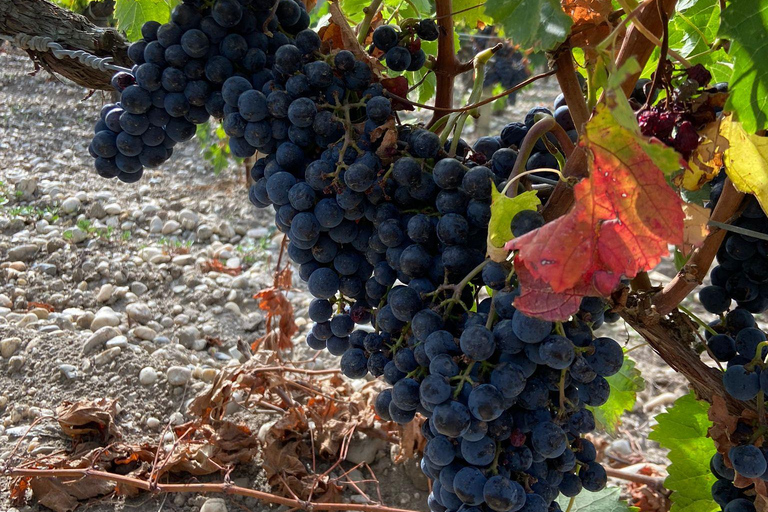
695, 228
503, 209
704, 163
746, 159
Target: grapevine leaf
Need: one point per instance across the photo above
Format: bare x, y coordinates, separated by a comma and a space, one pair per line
607, 500
746, 159
537, 298
624, 388
353, 9
745, 22
503, 209
591, 21
683, 431
472, 17
624, 216
692, 30
534, 24
132, 14
695, 228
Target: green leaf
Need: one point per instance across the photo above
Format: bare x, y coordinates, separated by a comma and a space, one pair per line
532, 24
624, 388
744, 22
683, 431
606, 500
472, 16
692, 30
132, 14
353, 9
503, 209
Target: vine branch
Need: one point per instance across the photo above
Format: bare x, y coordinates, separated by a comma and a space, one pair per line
692, 274
223, 488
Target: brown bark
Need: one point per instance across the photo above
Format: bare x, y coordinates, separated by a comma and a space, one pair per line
447, 65
72, 31
673, 337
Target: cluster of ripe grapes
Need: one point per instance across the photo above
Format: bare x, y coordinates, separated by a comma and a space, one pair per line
195, 67
677, 121
402, 48
393, 252
390, 236
740, 276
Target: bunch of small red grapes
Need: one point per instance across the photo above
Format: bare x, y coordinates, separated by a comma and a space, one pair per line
675, 122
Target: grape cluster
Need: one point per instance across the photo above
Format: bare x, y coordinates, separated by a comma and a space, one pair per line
389, 228
402, 48
675, 123
741, 274
401, 246
736, 339
193, 68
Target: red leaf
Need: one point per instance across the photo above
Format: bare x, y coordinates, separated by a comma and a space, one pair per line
624, 216
537, 298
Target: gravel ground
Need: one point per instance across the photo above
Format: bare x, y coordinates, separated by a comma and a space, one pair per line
131, 258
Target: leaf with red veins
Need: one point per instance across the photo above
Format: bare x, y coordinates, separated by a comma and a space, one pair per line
623, 219
538, 299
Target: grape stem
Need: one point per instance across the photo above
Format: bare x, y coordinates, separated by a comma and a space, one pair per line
638, 24
696, 319
457, 289
365, 25
446, 110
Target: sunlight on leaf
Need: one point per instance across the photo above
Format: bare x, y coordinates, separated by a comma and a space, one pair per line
132, 14
503, 209
683, 431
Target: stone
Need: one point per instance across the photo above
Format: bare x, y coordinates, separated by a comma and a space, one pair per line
97, 211
106, 357
187, 335
226, 230
40, 313
170, 226
117, 341
76, 235
214, 505
23, 252
144, 333
9, 346
47, 268
55, 244
183, 260
155, 225
105, 317
188, 218
70, 205
68, 370
99, 338
15, 363
113, 209
139, 312
204, 232
5, 302
178, 375
138, 288
147, 376
105, 292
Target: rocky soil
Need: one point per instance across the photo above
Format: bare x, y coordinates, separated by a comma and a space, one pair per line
106, 291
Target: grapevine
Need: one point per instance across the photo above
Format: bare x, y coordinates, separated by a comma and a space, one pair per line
472, 280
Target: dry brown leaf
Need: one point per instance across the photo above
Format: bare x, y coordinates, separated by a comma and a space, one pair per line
276, 304
411, 441
591, 22
88, 417
695, 228
64, 496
